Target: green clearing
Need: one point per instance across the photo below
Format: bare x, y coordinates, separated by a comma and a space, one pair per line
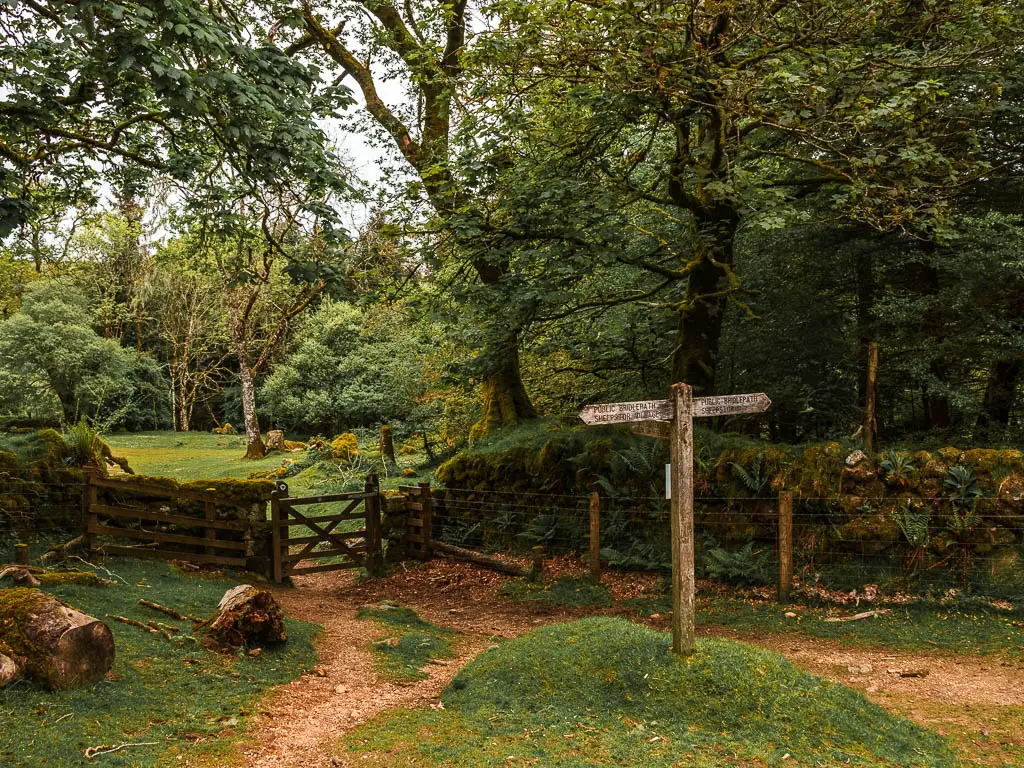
604, 691
207, 456
410, 643
172, 698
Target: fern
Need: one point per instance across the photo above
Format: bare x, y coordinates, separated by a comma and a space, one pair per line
756, 479
744, 567
913, 524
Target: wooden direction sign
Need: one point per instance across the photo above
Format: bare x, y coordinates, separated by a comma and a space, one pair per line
620, 413
730, 405
673, 419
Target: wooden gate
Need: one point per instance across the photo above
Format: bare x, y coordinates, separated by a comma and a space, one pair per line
360, 548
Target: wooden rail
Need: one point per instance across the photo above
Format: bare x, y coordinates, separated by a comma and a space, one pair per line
141, 511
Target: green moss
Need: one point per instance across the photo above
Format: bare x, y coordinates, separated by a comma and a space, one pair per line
53, 578
566, 591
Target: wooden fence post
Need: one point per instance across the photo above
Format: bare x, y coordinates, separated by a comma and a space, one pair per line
427, 502
89, 517
595, 537
785, 545
374, 546
210, 534
276, 540
537, 566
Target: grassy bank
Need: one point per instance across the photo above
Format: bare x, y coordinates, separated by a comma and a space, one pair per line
164, 698
603, 691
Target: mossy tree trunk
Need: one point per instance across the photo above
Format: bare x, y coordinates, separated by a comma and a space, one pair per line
505, 401
52, 643
709, 284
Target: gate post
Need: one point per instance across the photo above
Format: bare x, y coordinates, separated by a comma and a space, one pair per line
374, 545
275, 533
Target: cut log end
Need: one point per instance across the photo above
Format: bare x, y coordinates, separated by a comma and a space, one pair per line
84, 655
9, 670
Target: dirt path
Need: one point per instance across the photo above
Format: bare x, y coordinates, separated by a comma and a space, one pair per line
964, 697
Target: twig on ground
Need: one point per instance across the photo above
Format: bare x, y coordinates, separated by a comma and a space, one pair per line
859, 616
134, 623
98, 568
169, 611
106, 749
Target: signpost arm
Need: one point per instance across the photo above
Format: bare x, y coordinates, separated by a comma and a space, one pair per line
683, 581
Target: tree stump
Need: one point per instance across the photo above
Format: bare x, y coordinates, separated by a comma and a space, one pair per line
247, 616
387, 443
52, 643
275, 440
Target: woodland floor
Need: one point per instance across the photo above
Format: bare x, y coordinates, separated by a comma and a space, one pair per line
977, 701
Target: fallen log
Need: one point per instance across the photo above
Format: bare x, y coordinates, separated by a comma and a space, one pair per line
51, 642
488, 561
247, 616
20, 575
60, 553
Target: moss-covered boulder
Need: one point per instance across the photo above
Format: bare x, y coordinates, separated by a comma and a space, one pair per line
345, 447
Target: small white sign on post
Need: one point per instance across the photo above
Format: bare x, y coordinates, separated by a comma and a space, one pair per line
673, 420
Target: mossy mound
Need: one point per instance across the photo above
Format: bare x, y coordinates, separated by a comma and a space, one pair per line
345, 447
734, 699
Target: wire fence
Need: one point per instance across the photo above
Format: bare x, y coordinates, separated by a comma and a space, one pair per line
32, 503
920, 545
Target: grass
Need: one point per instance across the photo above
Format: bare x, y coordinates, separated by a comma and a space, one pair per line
171, 698
206, 456
604, 691
966, 628
410, 643
566, 591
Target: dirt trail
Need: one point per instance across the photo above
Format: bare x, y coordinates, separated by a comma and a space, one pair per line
299, 722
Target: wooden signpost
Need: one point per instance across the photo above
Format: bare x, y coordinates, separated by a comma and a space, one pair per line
672, 419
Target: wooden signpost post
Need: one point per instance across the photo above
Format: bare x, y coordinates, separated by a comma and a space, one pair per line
672, 419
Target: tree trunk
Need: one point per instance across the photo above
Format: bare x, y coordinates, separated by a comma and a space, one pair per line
253, 439
247, 616
505, 400
866, 330
699, 331
51, 642
1000, 394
